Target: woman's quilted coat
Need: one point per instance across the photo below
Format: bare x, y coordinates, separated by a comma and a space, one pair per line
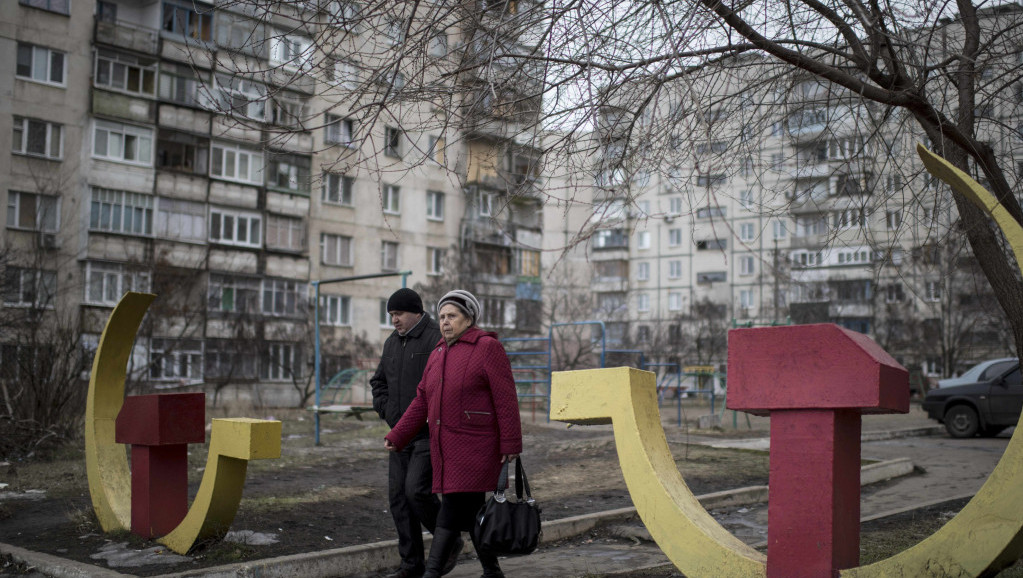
467, 396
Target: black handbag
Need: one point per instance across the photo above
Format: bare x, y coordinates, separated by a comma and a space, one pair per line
507, 527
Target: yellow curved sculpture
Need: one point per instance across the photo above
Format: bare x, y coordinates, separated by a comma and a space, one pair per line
627, 398
987, 534
106, 461
232, 443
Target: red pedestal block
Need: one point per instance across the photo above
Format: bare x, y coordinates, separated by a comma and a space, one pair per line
159, 428
815, 381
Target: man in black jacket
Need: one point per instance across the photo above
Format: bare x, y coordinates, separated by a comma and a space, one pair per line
410, 476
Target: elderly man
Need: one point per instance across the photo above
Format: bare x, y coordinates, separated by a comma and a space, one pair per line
410, 476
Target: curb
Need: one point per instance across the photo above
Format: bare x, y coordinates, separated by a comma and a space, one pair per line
378, 556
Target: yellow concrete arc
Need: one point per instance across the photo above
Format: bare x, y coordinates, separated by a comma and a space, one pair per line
106, 461
232, 443
627, 398
987, 534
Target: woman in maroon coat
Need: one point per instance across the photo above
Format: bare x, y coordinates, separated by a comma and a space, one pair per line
467, 397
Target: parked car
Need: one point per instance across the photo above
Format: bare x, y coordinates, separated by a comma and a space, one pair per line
986, 406
981, 372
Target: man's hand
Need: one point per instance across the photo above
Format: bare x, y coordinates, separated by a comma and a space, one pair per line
390, 447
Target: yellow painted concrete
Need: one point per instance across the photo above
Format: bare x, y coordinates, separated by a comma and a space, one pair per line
688, 535
232, 443
106, 461
987, 534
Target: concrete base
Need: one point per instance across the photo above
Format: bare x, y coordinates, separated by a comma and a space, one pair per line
708, 421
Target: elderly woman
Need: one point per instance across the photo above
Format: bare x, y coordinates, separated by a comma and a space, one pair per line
467, 397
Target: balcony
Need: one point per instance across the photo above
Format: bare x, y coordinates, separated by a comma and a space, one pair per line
127, 35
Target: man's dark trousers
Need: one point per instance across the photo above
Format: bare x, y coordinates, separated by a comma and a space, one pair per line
410, 483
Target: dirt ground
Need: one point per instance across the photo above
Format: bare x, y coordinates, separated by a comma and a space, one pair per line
334, 495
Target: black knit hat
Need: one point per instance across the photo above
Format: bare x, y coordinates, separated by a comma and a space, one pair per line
405, 299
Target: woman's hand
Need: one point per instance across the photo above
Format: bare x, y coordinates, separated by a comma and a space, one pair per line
390, 447
509, 458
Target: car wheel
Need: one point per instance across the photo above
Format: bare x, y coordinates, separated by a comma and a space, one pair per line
961, 421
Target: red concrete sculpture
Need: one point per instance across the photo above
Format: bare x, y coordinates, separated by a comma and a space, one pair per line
159, 428
815, 381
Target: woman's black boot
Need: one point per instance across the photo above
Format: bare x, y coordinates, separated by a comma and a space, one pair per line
491, 567
441, 552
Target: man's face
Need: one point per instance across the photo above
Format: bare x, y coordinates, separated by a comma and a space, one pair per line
403, 320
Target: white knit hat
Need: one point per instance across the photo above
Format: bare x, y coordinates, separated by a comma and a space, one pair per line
464, 300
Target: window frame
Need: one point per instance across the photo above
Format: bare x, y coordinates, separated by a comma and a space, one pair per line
48, 138
37, 51
391, 199
434, 205
343, 126
245, 294
129, 62
203, 21
336, 310
15, 199
125, 279
340, 242
293, 229
168, 212
39, 284
392, 142
254, 162
281, 297
220, 217
435, 260
134, 211
389, 252
140, 135
345, 189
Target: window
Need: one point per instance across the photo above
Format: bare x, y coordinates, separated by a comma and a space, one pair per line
643, 271
711, 277
746, 232
182, 84
715, 147
389, 256
336, 310
122, 143
436, 151
932, 291
278, 362
747, 199
288, 109
338, 130
289, 173
287, 233
674, 301
810, 226
529, 263
674, 269
610, 239
121, 212
642, 302
385, 317
343, 14
438, 44
849, 219
643, 334
711, 180
229, 294
435, 261
58, 6
674, 237
893, 219
192, 20
806, 258
290, 51
675, 205
125, 72
181, 220
710, 212
345, 74
238, 33
105, 283
746, 265
231, 227
434, 205
40, 64
893, 293
392, 142
241, 97
176, 359
281, 297
38, 138
177, 151
486, 203
337, 189
392, 199
712, 245
336, 250
29, 287
230, 359
33, 212
778, 229
643, 240
106, 11
746, 299
237, 164
392, 80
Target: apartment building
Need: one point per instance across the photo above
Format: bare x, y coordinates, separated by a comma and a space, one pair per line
216, 156
717, 207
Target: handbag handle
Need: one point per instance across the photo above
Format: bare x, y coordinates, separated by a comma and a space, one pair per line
521, 483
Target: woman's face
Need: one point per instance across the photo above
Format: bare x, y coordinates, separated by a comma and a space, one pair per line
453, 322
